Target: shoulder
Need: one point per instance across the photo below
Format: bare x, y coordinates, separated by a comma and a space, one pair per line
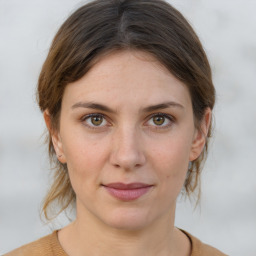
48, 245
201, 249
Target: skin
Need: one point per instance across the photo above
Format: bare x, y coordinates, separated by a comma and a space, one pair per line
130, 143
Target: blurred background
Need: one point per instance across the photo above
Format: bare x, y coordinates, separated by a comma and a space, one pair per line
226, 216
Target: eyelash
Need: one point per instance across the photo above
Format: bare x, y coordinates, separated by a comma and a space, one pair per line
87, 117
166, 116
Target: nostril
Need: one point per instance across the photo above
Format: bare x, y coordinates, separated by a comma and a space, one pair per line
127, 161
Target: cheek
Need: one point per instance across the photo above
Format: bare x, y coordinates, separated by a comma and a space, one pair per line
85, 157
172, 153
171, 159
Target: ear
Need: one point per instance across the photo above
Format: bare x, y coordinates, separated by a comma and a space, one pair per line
200, 135
55, 136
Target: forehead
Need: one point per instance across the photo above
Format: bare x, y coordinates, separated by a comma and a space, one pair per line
130, 77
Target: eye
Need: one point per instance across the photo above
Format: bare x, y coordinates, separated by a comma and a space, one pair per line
160, 120
95, 120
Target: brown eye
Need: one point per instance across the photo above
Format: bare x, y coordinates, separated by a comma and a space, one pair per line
158, 120
96, 120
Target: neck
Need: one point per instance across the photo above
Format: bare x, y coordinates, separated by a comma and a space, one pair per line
87, 236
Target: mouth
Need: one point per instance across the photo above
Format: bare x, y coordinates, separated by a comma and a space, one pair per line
127, 192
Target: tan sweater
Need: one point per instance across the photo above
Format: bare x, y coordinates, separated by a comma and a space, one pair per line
50, 246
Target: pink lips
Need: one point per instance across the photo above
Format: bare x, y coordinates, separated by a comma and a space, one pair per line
127, 192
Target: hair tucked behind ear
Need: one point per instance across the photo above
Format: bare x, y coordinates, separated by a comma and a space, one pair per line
103, 26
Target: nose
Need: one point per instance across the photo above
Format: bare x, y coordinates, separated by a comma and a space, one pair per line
127, 149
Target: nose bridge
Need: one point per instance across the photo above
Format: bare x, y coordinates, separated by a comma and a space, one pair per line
127, 151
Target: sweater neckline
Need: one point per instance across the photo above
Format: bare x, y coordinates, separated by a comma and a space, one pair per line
195, 244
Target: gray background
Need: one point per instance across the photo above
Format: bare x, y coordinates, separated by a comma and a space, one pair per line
226, 217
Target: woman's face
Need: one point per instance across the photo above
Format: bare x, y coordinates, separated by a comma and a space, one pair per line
127, 135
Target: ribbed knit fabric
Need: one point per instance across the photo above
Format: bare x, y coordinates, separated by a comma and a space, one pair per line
50, 246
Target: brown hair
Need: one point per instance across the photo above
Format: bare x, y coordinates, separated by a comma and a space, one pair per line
102, 26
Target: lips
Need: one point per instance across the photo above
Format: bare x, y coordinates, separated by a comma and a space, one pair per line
127, 192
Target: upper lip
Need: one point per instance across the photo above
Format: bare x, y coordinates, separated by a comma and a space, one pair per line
123, 186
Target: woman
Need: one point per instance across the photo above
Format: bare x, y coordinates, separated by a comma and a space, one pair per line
127, 97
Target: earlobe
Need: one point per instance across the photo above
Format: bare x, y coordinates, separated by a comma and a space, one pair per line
57, 144
55, 137
200, 136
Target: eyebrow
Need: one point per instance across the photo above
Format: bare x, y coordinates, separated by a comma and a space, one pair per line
97, 106
162, 106
92, 105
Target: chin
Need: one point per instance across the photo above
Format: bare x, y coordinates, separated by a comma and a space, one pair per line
130, 220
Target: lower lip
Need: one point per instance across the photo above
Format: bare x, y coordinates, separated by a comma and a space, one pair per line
127, 194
